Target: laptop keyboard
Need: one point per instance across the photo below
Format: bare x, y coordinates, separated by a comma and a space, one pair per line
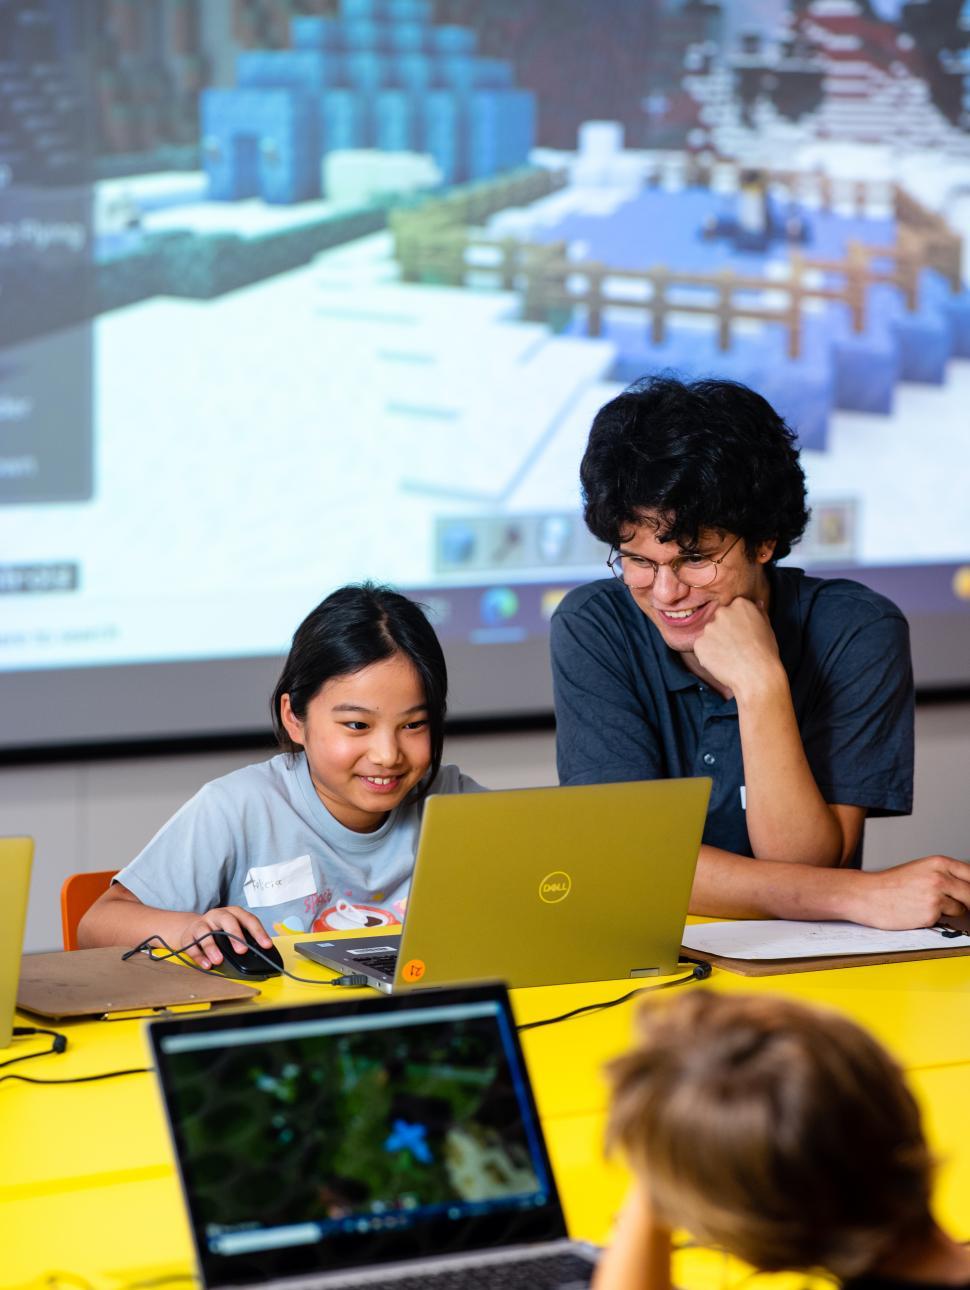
562, 1271
550, 1273
379, 962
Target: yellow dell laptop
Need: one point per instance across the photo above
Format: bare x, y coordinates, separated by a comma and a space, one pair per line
16, 855
540, 886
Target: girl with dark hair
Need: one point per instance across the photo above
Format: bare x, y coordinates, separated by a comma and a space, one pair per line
322, 836
780, 1133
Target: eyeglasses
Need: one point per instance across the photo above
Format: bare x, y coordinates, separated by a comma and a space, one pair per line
693, 569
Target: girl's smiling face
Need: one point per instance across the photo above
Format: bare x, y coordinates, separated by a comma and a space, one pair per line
366, 739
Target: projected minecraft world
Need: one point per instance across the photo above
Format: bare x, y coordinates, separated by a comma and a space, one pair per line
308, 291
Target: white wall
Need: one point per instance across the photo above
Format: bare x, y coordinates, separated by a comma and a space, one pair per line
97, 815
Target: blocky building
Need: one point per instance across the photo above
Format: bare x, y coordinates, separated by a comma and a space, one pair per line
380, 76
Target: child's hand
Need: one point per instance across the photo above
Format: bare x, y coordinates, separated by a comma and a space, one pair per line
638, 1256
226, 918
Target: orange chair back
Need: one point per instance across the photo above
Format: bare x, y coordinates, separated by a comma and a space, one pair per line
78, 894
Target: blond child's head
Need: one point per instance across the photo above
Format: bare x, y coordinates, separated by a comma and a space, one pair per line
784, 1134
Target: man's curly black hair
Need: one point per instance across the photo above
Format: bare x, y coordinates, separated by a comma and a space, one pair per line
701, 455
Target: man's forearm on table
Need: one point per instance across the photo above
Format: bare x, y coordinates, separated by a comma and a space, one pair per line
727, 885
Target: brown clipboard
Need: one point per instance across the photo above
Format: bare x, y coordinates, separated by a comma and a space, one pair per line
99, 983
820, 963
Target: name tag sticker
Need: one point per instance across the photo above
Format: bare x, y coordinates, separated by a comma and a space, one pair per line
744, 798
275, 884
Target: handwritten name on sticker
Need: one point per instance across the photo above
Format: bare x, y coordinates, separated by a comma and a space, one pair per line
275, 884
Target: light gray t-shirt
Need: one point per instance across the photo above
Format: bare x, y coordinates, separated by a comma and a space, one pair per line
261, 838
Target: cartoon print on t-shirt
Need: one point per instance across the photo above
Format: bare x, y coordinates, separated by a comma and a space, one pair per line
289, 926
345, 916
293, 924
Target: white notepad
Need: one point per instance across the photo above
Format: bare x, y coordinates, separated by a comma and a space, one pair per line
782, 939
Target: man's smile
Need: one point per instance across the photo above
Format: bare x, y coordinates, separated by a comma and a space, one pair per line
678, 614
680, 619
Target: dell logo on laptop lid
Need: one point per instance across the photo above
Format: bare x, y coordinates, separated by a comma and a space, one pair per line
555, 886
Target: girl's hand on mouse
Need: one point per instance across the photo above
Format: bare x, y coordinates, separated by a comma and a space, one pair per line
225, 918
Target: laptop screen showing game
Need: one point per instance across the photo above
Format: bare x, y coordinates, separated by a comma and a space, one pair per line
352, 1134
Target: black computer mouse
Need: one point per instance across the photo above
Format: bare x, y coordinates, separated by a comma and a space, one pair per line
244, 964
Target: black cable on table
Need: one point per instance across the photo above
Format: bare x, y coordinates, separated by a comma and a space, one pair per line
349, 980
699, 972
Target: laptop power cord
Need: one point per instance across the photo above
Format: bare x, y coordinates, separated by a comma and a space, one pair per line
58, 1045
699, 972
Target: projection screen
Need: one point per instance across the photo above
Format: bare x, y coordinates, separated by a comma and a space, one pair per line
294, 294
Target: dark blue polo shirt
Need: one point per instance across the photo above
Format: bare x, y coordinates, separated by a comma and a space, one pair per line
627, 707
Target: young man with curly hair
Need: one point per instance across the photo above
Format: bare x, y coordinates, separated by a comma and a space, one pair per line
700, 656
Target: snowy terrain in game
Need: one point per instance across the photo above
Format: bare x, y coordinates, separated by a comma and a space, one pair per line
353, 344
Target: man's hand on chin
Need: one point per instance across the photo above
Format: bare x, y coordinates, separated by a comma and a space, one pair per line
738, 647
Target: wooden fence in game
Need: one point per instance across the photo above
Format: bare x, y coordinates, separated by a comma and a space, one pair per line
432, 238
928, 238
437, 244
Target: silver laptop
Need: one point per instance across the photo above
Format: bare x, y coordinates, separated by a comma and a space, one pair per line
541, 886
16, 855
368, 1141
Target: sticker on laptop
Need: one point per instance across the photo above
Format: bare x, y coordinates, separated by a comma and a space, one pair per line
413, 970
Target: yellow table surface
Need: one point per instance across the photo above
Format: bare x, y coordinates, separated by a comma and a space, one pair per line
87, 1180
